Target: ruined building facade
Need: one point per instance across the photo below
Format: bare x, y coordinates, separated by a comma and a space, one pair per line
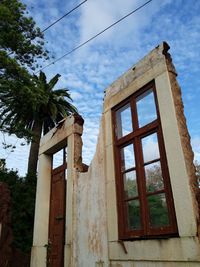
136, 205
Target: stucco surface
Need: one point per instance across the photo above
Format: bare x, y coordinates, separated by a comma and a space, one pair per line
185, 250
91, 203
91, 212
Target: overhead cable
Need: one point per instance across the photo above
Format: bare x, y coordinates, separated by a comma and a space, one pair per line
64, 16
69, 12
90, 39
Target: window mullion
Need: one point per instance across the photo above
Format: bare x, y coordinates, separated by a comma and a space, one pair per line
138, 154
137, 132
141, 183
134, 114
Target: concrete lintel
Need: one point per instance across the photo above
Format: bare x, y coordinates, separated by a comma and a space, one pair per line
140, 74
56, 139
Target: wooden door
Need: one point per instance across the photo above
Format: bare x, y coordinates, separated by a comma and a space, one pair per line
57, 218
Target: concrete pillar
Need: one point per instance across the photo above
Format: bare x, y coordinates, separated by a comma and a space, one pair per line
41, 223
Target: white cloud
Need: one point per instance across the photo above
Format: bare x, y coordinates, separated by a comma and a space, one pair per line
75, 96
97, 15
17, 158
88, 71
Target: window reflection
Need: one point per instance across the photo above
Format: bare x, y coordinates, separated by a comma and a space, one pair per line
124, 121
146, 108
130, 184
133, 207
154, 179
127, 157
150, 147
158, 210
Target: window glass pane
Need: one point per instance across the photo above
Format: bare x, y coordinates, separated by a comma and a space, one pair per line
146, 108
127, 157
154, 179
130, 184
158, 210
150, 147
124, 121
133, 207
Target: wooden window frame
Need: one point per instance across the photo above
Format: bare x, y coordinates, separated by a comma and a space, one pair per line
135, 138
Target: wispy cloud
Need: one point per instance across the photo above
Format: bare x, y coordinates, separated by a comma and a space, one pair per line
88, 71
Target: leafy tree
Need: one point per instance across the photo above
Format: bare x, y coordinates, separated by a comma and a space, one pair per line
157, 203
21, 45
34, 112
158, 212
28, 104
52, 107
154, 180
21, 42
23, 206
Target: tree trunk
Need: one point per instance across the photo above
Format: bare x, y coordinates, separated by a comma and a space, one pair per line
34, 149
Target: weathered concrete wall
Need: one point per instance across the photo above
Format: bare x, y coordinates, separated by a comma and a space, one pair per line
185, 141
96, 191
67, 133
91, 207
92, 245
184, 250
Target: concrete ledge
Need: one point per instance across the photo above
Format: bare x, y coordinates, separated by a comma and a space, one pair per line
172, 249
153, 264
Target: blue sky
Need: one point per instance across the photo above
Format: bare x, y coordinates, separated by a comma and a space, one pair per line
88, 71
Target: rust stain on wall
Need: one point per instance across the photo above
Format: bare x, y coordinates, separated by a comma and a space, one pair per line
116, 265
184, 135
94, 240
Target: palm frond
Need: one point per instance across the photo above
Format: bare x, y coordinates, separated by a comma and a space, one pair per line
53, 81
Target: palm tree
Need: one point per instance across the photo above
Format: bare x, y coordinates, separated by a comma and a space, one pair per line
34, 111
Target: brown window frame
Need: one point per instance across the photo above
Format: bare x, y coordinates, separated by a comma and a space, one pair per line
135, 137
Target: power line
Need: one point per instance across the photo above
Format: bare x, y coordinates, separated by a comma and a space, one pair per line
69, 12
63, 16
90, 39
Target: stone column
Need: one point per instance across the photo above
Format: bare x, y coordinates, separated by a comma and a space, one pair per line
74, 164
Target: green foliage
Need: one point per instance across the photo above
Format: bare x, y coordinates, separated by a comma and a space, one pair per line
52, 106
37, 105
134, 214
158, 210
21, 45
197, 165
23, 206
38, 101
28, 104
17, 33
